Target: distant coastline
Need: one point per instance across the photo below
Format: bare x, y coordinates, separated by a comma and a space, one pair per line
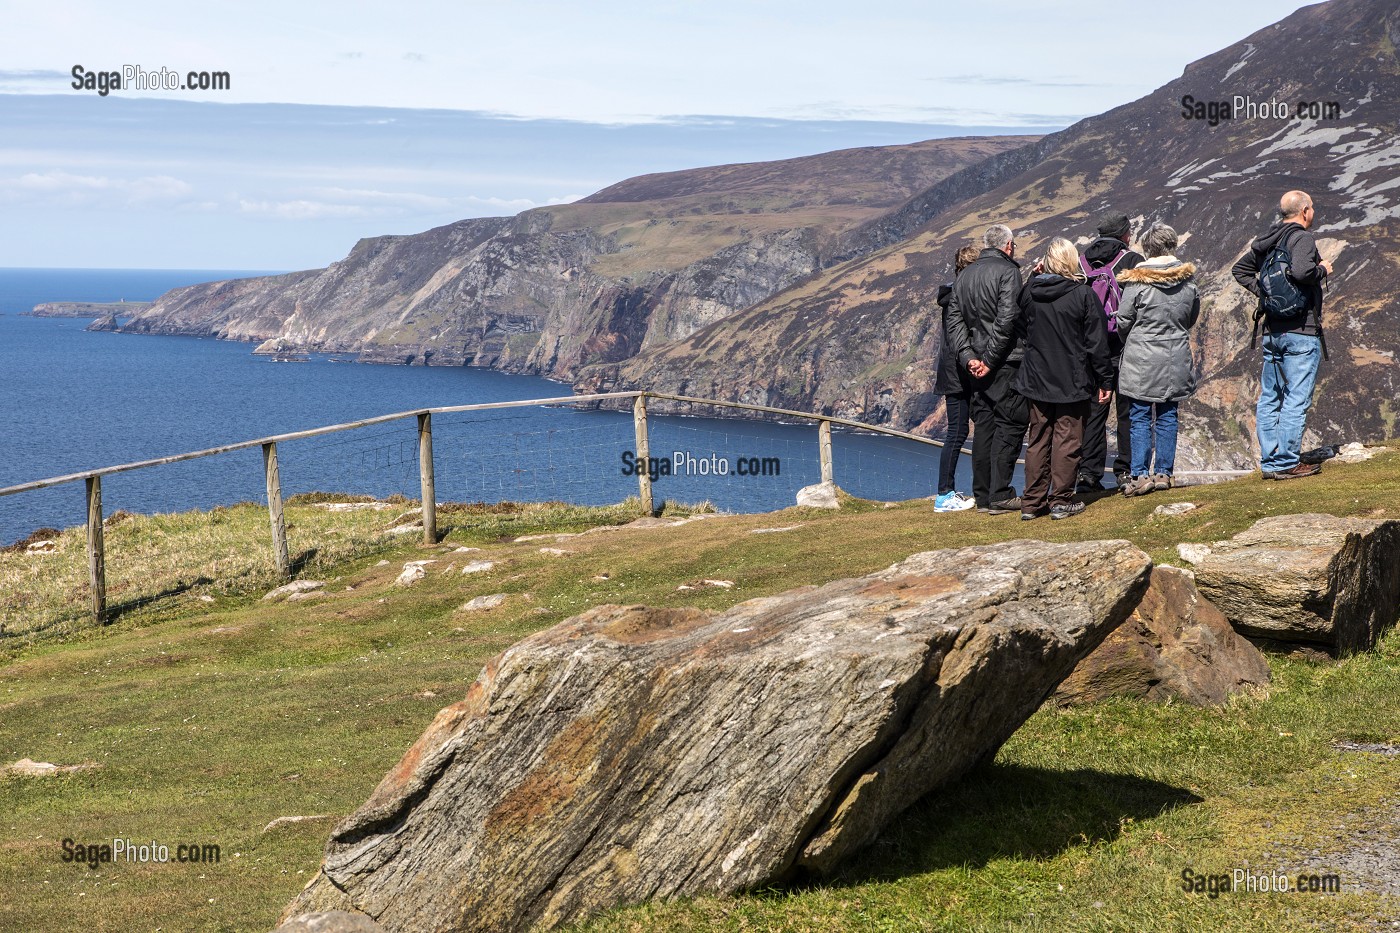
86, 309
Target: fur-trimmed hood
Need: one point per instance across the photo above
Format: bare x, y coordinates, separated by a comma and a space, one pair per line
1158, 272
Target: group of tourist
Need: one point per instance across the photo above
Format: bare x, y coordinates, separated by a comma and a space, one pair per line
1042, 359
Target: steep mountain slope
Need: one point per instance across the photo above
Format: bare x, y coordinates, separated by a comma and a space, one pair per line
861, 339
648, 260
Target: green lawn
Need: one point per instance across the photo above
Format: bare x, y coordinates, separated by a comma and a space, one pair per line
207, 719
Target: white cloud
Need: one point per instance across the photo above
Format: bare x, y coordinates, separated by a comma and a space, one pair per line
65, 189
300, 209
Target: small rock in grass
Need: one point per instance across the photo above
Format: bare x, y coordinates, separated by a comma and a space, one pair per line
1193, 553
296, 586
554, 551
28, 767
413, 572
483, 603
1175, 508
478, 566
819, 496
290, 820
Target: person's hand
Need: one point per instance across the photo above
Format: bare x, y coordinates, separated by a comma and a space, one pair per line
1326, 266
977, 368
1039, 267
1105, 395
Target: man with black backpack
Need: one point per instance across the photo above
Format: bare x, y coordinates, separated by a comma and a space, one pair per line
1102, 262
1284, 270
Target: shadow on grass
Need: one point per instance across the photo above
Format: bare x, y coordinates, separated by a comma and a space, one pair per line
301, 562
1010, 811
116, 610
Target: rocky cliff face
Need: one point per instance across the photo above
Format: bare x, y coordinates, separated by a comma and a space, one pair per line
861, 339
642, 263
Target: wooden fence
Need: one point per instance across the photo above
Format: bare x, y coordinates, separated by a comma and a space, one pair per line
92, 479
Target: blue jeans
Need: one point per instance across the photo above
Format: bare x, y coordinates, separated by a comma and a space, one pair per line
1285, 395
1140, 414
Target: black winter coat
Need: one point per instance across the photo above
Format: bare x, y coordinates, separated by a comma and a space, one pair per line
1306, 270
984, 316
1067, 357
952, 378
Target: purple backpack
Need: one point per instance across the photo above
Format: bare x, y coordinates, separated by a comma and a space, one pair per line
1105, 284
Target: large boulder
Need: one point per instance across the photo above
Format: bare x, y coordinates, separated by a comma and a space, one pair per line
1311, 580
1175, 645
630, 753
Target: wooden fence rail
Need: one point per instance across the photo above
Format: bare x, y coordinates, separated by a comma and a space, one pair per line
281, 554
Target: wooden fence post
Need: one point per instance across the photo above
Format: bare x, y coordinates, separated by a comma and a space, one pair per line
97, 565
639, 422
274, 510
426, 479
824, 449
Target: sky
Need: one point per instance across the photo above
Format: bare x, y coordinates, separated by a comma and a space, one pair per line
349, 119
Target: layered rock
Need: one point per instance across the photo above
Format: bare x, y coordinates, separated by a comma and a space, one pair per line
1307, 580
1175, 646
633, 753
552, 290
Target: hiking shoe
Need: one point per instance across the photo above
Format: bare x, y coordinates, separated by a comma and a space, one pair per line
1302, 469
1004, 506
1065, 510
1140, 486
1122, 479
1032, 515
1161, 481
1268, 474
953, 502
1089, 484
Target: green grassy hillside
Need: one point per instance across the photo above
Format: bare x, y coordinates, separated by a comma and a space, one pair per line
203, 720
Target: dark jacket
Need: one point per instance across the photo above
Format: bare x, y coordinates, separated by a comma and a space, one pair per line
1306, 270
984, 315
1066, 342
1160, 306
952, 378
1101, 252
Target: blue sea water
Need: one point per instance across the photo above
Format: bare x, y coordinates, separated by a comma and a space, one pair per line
75, 400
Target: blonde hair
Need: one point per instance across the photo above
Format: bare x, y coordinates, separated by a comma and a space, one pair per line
1063, 259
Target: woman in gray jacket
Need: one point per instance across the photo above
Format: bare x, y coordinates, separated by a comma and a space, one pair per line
1159, 307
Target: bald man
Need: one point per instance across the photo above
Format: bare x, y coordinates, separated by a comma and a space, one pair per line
1285, 272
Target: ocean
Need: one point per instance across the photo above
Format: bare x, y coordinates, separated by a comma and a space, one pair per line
75, 400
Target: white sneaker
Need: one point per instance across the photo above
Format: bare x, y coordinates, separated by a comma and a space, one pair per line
953, 502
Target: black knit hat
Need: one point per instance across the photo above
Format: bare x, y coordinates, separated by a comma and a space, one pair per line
1114, 224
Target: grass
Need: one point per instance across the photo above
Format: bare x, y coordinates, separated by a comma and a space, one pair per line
208, 720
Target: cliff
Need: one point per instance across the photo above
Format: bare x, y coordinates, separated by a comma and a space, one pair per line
642, 263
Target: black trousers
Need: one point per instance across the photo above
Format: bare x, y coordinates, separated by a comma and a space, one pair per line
959, 411
999, 418
1091, 463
